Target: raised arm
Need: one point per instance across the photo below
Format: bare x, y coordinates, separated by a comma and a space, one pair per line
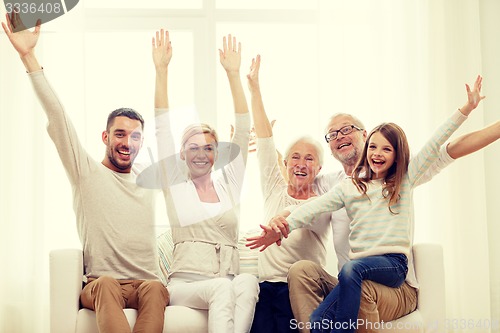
230, 59
472, 142
162, 53
273, 171
429, 156
473, 96
263, 128
24, 41
75, 159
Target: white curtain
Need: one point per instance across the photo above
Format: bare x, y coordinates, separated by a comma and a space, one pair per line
407, 61
383, 60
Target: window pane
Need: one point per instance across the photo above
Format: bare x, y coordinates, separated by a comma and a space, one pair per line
123, 4
120, 73
266, 4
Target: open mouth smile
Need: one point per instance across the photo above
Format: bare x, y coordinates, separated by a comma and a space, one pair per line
342, 145
124, 153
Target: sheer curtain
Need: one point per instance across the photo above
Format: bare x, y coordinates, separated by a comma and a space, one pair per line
382, 60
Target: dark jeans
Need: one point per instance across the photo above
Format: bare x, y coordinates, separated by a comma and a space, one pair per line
339, 310
273, 312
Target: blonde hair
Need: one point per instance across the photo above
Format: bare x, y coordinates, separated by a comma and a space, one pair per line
198, 129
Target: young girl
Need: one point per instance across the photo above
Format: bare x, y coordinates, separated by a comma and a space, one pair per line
377, 198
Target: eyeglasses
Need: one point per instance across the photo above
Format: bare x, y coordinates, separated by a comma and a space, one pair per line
332, 135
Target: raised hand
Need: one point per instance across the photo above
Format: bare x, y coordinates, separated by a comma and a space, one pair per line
230, 55
473, 96
24, 41
253, 75
162, 49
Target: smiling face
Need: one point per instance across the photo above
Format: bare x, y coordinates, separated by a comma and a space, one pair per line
200, 153
123, 141
302, 165
346, 148
380, 155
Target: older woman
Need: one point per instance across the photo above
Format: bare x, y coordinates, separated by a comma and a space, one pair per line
203, 207
303, 160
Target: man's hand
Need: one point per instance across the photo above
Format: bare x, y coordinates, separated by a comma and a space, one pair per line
23, 41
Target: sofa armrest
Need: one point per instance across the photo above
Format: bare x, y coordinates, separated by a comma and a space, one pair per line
66, 272
429, 268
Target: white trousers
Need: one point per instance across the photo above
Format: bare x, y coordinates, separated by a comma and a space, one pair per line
230, 301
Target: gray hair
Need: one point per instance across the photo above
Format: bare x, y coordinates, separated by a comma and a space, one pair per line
355, 120
306, 139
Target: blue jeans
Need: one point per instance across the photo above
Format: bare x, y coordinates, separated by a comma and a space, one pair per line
273, 311
339, 310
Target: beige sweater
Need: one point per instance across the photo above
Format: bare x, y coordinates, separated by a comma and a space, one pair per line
114, 216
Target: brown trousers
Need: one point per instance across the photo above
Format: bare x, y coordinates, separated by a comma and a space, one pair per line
108, 297
309, 284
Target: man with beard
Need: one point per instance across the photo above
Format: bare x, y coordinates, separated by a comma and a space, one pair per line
115, 217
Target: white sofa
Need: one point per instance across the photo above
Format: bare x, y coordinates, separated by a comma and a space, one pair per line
66, 270
431, 308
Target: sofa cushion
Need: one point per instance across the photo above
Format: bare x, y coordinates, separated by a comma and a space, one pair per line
165, 254
248, 258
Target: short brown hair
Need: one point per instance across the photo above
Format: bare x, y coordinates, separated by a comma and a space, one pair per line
124, 112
